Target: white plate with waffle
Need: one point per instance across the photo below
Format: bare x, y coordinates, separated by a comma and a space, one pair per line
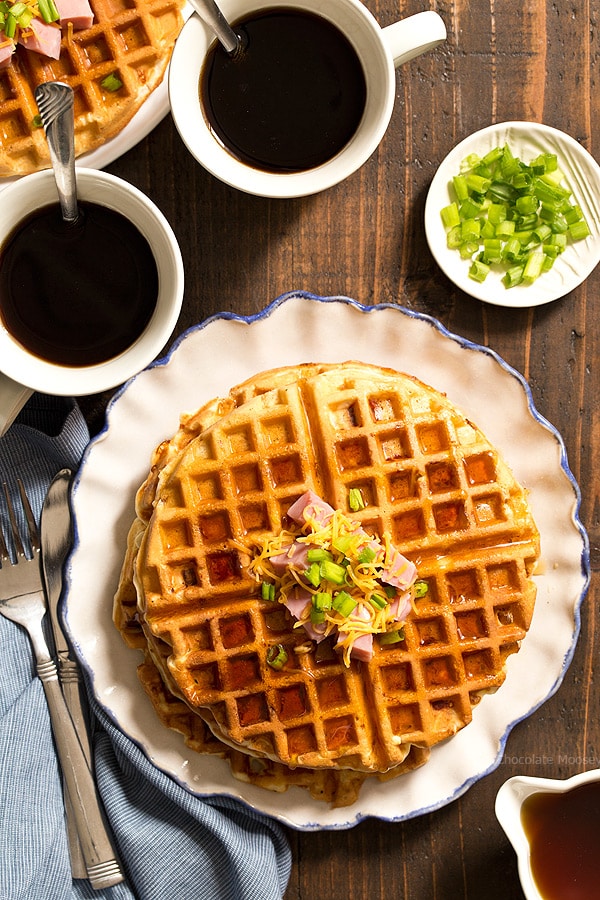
206, 362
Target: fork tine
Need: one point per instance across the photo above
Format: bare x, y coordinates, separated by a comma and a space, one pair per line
16, 537
4, 554
34, 539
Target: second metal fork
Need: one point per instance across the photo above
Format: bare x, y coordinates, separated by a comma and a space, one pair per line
22, 600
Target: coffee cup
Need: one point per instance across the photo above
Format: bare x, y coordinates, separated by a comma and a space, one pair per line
22, 370
379, 52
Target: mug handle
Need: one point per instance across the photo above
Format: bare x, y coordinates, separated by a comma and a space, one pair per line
413, 36
13, 397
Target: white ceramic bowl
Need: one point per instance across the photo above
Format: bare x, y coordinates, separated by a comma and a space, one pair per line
509, 802
526, 140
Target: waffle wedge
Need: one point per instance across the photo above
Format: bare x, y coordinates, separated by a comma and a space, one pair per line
430, 480
130, 40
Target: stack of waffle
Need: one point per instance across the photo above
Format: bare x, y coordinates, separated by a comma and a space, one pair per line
113, 67
432, 484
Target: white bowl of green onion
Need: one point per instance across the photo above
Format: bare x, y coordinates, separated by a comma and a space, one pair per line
513, 214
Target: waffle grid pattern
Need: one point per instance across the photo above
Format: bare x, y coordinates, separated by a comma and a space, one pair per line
131, 39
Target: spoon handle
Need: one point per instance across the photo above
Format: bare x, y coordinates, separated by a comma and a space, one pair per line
55, 103
214, 18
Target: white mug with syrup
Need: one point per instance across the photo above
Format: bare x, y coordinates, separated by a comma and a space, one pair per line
22, 371
380, 51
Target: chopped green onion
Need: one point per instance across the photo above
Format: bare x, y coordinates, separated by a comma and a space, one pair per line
492, 250
318, 554
26, 16
541, 233
320, 605
317, 616
492, 156
497, 213
355, 499
267, 591
573, 214
513, 276
450, 215
10, 26
48, 11
391, 637
505, 215
470, 230
512, 249
333, 572
505, 229
343, 603
36, 122
343, 542
578, 231
277, 656
470, 208
533, 267
378, 601
454, 238
461, 190
366, 555
313, 574
477, 184
479, 271
322, 600
501, 191
421, 588
111, 83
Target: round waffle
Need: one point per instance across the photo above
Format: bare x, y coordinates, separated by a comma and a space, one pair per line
130, 40
432, 482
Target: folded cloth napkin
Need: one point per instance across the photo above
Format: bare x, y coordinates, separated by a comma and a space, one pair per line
173, 846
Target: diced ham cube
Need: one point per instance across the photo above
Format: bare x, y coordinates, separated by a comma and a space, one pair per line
310, 505
297, 601
315, 632
362, 647
293, 555
78, 12
400, 607
400, 572
7, 48
41, 38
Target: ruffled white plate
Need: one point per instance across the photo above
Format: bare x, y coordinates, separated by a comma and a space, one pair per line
298, 327
582, 174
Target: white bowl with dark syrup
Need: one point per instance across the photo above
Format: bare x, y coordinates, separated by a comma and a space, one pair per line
554, 828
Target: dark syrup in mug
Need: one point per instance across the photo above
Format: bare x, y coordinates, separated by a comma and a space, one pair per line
292, 99
77, 294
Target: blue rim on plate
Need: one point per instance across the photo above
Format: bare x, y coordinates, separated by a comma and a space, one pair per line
301, 327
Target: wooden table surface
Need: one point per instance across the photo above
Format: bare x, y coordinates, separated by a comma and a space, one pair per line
529, 60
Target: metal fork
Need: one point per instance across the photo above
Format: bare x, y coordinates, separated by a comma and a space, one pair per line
22, 601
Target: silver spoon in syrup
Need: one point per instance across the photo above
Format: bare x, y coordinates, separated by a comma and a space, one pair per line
55, 102
210, 13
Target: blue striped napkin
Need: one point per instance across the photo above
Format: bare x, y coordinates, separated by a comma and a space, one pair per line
173, 845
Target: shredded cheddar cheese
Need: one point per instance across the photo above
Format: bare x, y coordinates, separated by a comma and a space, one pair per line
336, 578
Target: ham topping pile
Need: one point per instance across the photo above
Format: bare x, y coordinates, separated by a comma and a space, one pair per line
37, 25
336, 579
